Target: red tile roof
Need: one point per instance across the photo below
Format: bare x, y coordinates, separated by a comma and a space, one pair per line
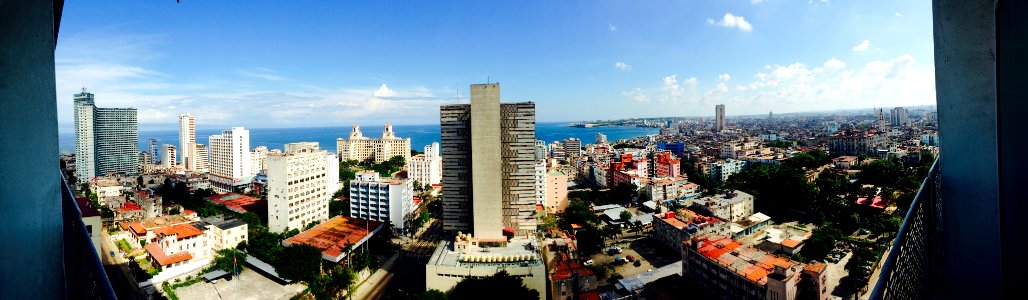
136, 228
158, 255
130, 206
333, 235
86, 207
240, 203
181, 231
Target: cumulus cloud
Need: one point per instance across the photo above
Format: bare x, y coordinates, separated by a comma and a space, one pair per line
834, 64
898, 81
612, 27
637, 94
622, 66
121, 71
898, 14
732, 21
863, 46
384, 91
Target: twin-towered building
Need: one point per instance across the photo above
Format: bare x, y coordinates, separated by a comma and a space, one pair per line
361, 148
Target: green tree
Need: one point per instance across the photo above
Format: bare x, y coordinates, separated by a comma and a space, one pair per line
299, 262
625, 215
226, 259
821, 241
499, 286
338, 208
432, 295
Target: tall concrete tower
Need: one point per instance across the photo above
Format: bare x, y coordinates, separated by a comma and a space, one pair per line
719, 112
488, 171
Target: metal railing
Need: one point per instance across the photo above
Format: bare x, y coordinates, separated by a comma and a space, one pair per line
84, 275
909, 270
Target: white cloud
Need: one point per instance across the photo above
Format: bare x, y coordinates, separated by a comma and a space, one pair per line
724, 77
124, 74
834, 64
384, 91
612, 27
863, 46
637, 94
898, 14
622, 66
732, 21
756, 1
262, 73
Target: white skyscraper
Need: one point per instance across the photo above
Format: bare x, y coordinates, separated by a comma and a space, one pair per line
85, 163
230, 159
298, 189
540, 182
186, 139
106, 139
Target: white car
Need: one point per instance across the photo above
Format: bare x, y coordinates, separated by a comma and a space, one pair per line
589, 262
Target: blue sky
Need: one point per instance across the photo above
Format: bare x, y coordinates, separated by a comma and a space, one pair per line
334, 63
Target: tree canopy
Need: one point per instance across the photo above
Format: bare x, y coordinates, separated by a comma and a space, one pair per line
499, 286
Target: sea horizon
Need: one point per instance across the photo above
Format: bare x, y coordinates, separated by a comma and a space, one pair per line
420, 135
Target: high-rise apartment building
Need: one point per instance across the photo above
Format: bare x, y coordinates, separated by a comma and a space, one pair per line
540, 182
719, 121
601, 138
85, 140
298, 191
540, 149
361, 148
488, 183
572, 149
106, 139
170, 153
258, 159
386, 200
899, 116
153, 153
198, 158
186, 139
229, 163
426, 168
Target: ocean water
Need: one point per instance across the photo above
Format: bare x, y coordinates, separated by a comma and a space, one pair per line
420, 135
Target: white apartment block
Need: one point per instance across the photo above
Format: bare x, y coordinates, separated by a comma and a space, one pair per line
540, 182
169, 155
186, 140
230, 159
360, 148
426, 168
379, 199
298, 192
258, 159
198, 157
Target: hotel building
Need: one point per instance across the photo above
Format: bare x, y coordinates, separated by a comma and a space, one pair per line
361, 148
298, 190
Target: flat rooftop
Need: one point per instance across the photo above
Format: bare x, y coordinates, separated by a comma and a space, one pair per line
333, 235
518, 251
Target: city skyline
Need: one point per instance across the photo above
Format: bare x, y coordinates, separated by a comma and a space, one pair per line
638, 64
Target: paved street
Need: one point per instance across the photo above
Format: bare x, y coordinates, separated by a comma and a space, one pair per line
407, 270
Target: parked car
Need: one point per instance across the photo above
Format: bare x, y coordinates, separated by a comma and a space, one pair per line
630, 258
619, 261
589, 262
637, 263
